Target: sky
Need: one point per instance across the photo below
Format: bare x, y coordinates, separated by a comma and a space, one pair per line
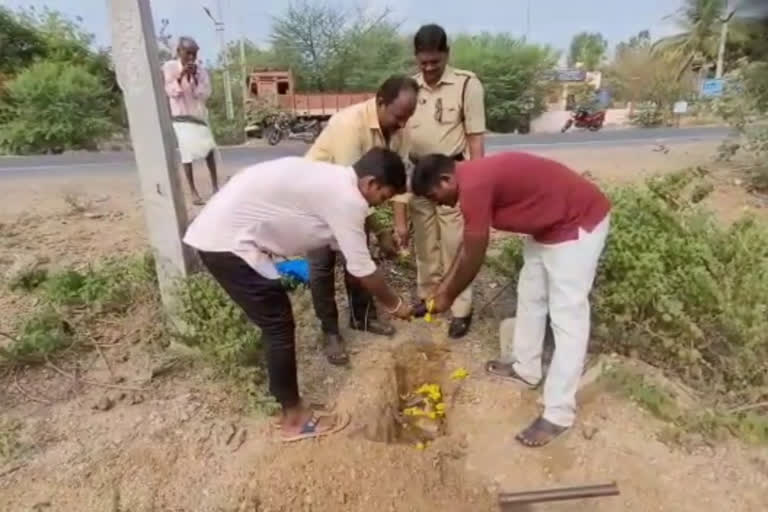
553, 22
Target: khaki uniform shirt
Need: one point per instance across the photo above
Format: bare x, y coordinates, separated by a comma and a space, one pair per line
352, 132
446, 114
444, 118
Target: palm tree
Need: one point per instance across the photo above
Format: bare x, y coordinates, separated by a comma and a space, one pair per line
701, 21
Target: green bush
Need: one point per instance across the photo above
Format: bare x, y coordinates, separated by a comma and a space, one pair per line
28, 280
53, 106
109, 286
39, 335
384, 215
513, 72
680, 291
221, 331
19, 44
661, 402
216, 325
9, 437
647, 115
228, 132
745, 107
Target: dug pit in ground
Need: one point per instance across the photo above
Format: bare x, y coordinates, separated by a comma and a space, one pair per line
405, 397
374, 464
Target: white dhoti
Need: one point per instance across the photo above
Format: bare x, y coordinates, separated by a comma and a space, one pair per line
195, 141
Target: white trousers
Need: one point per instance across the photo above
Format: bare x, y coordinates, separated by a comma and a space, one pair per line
557, 279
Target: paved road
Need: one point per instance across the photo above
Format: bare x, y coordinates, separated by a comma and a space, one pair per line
236, 157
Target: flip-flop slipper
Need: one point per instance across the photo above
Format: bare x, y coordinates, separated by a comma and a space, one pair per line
318, 409
506, 371
309, 429
551, 430
337, 359
336, 354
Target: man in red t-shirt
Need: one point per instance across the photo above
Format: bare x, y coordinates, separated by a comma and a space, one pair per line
566, 218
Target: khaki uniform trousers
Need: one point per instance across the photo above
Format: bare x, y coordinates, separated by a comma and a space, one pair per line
438, 232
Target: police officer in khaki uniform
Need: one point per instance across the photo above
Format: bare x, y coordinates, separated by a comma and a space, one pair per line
450, 120
376, 123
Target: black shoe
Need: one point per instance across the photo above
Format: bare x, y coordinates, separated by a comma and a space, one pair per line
419, 309
373, 326
459, 327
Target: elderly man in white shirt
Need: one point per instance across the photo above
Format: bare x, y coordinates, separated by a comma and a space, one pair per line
284, 208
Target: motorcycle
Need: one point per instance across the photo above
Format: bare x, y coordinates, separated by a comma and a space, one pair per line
285, 126
584, 119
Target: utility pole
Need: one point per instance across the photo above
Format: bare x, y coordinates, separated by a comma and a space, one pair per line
723, 39
243, 73
134, 50
219, 26
528, 21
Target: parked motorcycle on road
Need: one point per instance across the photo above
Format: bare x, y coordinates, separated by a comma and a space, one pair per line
584, 119
285, 126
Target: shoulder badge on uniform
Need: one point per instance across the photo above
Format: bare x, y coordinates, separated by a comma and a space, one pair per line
464, 72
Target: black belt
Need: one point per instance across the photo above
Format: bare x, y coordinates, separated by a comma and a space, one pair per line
189, 119
458, 158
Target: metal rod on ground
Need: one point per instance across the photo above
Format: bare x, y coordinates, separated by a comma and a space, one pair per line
512, 499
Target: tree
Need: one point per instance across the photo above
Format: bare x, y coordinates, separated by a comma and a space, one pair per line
748, 35
65, 40
164, 38
330, 49
379, 52
745, 102
588, 49
43, 43
20, 45
641, 40
514, 74
701, 21
52, 107
255, 57
641, 75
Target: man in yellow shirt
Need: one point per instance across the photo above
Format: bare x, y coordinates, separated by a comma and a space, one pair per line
449, 120
350, 133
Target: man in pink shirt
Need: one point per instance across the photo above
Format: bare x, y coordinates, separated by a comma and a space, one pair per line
188, 87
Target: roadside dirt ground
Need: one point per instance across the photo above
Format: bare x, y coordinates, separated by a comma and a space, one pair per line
182, 442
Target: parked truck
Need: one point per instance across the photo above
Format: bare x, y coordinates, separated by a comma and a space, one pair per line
276, 111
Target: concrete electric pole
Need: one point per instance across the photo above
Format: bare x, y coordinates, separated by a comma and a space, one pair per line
135, 54
219, 25
723, 40
243, 73
528, 22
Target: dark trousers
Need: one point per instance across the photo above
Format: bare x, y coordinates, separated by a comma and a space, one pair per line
322, 283
267, 305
